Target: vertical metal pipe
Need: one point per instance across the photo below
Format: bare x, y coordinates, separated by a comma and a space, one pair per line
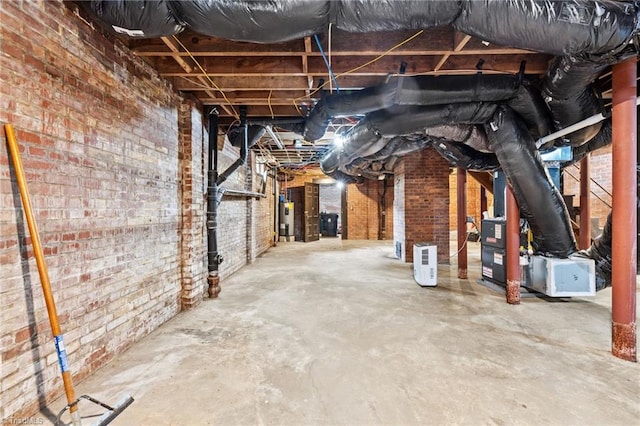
585, 203
624, 211
213, 257
513, 248
461, 180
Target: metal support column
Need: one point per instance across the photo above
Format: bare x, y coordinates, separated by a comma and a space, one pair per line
513, 248
624, 213
585, 204
461, 176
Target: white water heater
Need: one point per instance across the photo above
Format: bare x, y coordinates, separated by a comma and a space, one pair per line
425, 264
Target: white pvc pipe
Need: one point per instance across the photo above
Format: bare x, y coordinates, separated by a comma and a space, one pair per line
275, 138
575, 127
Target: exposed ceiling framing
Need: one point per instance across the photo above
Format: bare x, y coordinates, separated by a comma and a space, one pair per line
286, 79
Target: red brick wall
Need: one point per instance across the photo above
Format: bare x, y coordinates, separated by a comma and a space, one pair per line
116, 165
600, 169
421, 208
473, 200
192, 143
98, 131
364, 210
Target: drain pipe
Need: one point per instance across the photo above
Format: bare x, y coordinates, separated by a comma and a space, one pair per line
214, 195
214, 259
244, 148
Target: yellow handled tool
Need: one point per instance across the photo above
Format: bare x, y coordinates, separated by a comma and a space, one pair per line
72, 402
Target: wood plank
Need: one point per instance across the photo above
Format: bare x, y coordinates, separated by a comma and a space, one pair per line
400, 52
499, 63
287, 82
305, 62
459, 42
175, 54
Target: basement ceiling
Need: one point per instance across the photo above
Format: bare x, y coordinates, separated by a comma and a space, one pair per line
283, 81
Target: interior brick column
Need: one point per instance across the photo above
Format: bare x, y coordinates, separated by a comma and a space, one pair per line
192, 204
421, 203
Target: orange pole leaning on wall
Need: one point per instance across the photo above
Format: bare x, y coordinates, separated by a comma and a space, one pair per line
43, 272
585, 203
512, 248
461, 181
624, 224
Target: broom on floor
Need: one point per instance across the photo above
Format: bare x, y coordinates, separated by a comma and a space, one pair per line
72, 402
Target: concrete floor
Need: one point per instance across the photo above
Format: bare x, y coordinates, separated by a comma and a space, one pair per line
338, 333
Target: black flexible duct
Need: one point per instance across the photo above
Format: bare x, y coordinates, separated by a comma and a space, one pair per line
360, 102
570, 98
589, 28
460, 155
137, 18
530, 106
602, 139
373, 133
418, 91
539, 200
600, 251
434, 90
388, 15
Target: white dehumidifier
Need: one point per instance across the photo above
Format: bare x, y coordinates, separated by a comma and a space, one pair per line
425, 264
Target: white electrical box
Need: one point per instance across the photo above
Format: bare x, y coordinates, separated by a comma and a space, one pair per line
425, 264
563, 277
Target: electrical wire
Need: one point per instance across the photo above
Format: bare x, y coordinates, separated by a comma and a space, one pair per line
464, 244
235, 113
329, 55
332, 76
377, 58
269, 102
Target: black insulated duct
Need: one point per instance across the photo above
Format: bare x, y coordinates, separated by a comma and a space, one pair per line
460, 155
590, 28
539, 200
137, 18
433, 90
255, 21
360, 102
360, 16
373, 133
600, 251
